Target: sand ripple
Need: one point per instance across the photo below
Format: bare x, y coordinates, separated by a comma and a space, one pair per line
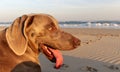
105, 48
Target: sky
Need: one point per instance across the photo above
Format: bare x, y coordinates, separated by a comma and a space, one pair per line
62, 10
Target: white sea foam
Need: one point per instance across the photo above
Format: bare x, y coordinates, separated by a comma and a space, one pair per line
85, 25
5, 24
91, 25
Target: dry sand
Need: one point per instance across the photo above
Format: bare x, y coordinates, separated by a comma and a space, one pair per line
99, 52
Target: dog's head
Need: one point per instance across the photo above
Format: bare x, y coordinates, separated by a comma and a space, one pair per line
39, 32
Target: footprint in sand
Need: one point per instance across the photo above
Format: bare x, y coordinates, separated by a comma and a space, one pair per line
88, 69
91, 39
112, 67
65, 66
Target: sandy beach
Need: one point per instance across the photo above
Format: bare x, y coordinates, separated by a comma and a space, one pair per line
99, 52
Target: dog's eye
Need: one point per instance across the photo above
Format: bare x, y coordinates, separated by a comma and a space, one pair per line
51, 28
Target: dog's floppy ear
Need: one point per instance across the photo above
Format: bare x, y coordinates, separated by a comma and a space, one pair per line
16, 36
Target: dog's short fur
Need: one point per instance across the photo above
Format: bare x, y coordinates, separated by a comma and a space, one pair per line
20, 44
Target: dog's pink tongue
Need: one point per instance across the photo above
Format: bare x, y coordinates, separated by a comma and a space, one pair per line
59, 58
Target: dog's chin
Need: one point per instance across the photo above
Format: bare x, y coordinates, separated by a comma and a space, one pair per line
52, 54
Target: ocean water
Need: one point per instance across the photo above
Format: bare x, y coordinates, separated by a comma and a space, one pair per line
89, 25
98, 24
79, 24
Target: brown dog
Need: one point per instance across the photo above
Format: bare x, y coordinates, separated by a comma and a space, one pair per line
21, 43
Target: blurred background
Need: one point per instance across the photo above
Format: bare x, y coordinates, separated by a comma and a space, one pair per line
93, 13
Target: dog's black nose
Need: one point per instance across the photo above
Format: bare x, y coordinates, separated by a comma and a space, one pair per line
76, 42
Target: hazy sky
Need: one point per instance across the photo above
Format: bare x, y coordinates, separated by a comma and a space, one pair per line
62, 9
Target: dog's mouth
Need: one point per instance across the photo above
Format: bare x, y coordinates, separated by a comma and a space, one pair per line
53, 55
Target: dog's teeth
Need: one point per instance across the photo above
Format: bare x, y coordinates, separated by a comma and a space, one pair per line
48, 51
46, 47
